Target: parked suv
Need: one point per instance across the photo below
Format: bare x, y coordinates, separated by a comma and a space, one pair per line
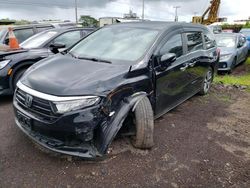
23, 32
117, 80
14, 63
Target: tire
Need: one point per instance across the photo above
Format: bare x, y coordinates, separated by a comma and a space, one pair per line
144, 123
232, 66
207, 81
17, 77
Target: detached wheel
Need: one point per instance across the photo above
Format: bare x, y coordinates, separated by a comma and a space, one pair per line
206, 85
144, 123
17, 77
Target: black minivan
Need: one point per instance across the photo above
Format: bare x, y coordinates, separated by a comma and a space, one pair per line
117, 80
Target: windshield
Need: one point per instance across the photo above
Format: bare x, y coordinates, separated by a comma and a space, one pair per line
116, 43
37, 40
226, 41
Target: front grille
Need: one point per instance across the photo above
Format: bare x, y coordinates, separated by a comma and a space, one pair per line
40, 108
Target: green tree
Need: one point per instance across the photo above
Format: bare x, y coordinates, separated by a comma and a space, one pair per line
247, 25
88, 21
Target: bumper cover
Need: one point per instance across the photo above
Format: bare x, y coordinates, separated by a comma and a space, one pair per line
86, 151
82, 143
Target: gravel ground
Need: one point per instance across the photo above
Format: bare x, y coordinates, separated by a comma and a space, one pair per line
205, 142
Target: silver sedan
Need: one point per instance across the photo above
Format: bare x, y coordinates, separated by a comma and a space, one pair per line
233, 50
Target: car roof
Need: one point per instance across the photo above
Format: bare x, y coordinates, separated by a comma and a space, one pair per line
158, 25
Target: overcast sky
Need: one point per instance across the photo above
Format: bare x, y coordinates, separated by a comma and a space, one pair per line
154, 9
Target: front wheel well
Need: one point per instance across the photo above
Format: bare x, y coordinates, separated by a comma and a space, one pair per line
16, 71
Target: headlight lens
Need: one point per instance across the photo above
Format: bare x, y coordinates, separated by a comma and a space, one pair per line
225, 57
4, 63
67, 106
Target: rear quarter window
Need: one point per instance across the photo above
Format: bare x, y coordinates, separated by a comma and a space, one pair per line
194, 41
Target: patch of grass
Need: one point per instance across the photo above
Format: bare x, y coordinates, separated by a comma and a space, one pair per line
234, 80
247, 61
243, 80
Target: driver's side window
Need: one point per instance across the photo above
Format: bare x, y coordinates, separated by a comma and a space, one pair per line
173, 45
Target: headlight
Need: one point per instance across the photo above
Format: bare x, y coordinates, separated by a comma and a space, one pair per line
225, 57
67, 106
4, 63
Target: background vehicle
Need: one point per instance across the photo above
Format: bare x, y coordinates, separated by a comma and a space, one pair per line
234, 50
246, 33
119, 77
14, 63
23, 32
216, 29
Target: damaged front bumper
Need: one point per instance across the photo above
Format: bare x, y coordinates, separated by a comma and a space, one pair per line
71, 134
84, 150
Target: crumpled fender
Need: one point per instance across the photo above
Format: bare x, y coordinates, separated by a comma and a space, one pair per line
110, 129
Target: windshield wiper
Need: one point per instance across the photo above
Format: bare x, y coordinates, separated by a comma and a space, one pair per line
73, 55
95, 59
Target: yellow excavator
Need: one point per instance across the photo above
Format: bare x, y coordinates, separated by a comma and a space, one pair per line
212, 11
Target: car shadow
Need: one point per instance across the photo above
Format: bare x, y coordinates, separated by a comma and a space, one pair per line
5, 100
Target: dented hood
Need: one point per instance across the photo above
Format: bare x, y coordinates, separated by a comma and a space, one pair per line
63, 75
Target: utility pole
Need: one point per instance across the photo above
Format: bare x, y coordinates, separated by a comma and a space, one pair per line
176, 13
143, 6
76, 11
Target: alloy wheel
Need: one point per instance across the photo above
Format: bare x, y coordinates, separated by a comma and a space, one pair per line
208, 81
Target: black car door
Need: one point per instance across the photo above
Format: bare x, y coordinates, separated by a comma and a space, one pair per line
172, 83
195, 56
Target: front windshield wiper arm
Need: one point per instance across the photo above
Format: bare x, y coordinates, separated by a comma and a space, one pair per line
95, 59
73, 55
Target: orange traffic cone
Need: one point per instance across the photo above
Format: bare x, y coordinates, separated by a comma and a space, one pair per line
13, 42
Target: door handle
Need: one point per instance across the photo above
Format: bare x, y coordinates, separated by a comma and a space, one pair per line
184, 68
192, 64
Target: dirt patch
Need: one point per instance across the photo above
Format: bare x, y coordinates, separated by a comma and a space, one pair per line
202, 143
241, 69
236, 126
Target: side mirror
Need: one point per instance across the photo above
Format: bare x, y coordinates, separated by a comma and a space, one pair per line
167, 59
56, 46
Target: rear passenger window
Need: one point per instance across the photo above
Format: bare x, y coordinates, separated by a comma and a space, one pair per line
173, 45
23, 34
194, 41
209, 40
